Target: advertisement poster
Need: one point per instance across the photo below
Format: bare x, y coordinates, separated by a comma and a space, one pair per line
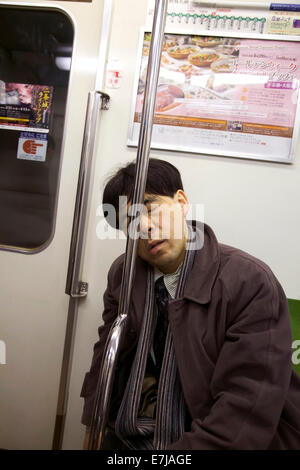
25, 106
195, 16
223, 96
284, 22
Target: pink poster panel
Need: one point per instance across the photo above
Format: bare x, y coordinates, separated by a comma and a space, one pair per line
223, 96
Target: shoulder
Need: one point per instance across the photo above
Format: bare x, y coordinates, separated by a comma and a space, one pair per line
245, 277
231, 257
117, 264
116, 269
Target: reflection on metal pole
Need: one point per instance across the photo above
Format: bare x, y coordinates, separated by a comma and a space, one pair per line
106, 376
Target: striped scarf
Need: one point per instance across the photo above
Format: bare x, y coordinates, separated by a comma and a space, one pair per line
140, 432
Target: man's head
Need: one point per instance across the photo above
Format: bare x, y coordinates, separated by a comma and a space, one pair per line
162, 226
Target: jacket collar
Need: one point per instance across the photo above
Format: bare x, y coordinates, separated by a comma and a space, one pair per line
206, 265
201, 278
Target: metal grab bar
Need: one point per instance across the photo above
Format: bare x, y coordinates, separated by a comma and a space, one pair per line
107, 371
74, 286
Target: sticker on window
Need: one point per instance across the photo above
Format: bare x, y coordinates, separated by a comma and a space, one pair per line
32, 146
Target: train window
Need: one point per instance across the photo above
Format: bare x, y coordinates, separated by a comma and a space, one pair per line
35, 55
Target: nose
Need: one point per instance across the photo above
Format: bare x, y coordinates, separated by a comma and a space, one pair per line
146, 225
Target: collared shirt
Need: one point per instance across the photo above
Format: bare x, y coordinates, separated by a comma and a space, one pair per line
170, 280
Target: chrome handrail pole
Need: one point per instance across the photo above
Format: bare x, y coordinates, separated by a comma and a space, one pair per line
107, 371
74, 286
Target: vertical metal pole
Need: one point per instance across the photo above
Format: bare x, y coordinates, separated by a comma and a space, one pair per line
106, 375
142, 159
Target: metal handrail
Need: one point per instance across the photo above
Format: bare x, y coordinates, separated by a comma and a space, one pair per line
74, 286
107, 371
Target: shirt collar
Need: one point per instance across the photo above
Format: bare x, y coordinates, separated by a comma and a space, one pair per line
170, 280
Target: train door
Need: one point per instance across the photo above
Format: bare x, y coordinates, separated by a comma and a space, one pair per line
48, 62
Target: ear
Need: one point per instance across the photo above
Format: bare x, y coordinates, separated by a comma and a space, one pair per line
182, 199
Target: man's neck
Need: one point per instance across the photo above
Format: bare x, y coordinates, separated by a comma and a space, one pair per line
159, 272
172, 267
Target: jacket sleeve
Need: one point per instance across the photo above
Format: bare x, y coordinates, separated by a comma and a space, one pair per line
91, 378
252, 373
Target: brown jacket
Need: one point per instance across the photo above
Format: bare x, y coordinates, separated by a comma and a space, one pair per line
232, 340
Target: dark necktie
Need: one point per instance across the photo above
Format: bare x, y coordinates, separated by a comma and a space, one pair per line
162, 299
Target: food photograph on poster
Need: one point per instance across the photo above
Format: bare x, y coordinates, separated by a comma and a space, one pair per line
220, 94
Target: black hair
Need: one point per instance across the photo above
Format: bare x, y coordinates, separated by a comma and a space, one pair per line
163, 179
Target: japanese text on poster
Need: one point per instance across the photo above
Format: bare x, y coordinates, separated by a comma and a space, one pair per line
195, 17
226, 96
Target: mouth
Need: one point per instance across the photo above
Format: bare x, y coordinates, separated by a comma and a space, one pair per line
155, 246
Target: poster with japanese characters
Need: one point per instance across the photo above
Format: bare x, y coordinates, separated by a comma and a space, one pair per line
25, 107
194, 17
219, 95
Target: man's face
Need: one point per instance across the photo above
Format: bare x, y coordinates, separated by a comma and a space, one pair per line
24, 91
163, 231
